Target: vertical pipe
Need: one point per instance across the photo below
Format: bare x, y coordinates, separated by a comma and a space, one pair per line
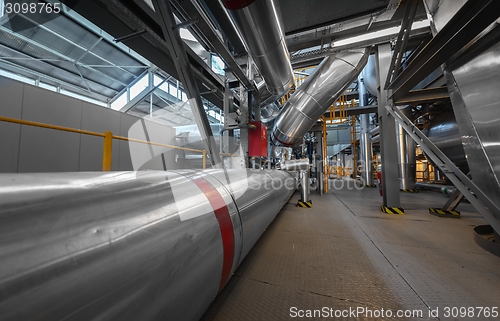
365, 138
406, 159
107, 151
304, 186
204, 158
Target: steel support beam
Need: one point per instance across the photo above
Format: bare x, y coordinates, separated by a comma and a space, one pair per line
428, 95
472, 18
388, 145
403, 36
205, 30
186, 76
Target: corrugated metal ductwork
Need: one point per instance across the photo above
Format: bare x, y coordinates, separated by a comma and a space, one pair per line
260, 25
316, 94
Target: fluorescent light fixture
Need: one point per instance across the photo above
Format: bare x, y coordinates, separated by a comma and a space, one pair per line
379, 34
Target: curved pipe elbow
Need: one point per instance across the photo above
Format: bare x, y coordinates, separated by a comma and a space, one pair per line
316, 94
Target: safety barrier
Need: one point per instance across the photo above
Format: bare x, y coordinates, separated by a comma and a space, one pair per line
108, 140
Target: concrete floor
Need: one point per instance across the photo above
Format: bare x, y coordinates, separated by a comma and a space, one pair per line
344, 253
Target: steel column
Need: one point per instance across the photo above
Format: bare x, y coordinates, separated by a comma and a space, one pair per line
388, 146
183, 66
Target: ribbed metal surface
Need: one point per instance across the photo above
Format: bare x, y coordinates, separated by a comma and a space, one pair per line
316, 94
125, 245
59, 43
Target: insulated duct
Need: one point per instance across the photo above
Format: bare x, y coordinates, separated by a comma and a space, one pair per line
316, 94
260, 25
129, 245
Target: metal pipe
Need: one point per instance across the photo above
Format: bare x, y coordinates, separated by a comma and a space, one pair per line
146, 245
304, 185
365, 139
261, 27
406, 159
295, 164
316, 94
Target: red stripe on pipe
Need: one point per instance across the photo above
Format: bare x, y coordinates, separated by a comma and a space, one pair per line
237, 4
281, 142
226, 226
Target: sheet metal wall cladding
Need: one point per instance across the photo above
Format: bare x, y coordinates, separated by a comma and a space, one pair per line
316, 94
115, 246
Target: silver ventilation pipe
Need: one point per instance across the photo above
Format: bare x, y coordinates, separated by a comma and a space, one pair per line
261, 27
316, 94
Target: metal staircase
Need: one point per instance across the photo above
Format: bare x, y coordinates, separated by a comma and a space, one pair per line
476, 197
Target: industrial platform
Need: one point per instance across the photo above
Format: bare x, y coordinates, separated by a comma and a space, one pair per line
345, 253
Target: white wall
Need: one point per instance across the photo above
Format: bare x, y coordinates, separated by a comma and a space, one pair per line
26, 149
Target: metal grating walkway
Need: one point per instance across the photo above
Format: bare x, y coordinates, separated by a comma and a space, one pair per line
345, 253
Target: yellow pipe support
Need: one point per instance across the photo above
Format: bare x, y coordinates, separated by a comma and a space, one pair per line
204, 157
325, 157
107, 154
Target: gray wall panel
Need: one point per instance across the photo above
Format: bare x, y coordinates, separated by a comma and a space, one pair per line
10, 134
98, 119
44, 106
47, 150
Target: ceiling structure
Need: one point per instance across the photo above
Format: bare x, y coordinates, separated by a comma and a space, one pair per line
98, 48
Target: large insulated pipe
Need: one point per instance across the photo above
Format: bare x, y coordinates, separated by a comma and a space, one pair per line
118, 246
365, 140
316, 94
406, 159
259, 23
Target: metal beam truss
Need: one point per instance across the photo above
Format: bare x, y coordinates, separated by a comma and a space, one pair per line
186, 75
474, 194
472, 18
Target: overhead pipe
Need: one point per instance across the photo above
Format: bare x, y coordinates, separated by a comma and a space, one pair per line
316, 94
261, 27
129, 245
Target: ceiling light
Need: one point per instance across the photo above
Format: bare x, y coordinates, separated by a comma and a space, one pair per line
379, 34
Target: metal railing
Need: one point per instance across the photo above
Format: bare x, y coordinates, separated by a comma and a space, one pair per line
108, 140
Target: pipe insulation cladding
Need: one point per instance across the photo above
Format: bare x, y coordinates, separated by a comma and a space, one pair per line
317, 94
129, 245
261, 27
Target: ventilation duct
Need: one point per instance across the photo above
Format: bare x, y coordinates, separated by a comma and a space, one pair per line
260, 25
316, 94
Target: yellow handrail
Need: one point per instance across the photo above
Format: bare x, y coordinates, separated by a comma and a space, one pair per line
108, 140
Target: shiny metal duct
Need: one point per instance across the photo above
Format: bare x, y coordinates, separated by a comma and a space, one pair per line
119, 246
406, 159
260, 25
295, 164
365, 138
304, 186
369, 74
316, 94
443, 131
